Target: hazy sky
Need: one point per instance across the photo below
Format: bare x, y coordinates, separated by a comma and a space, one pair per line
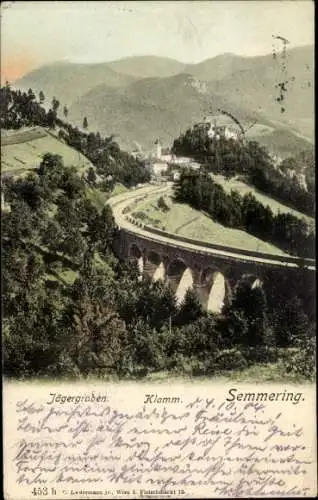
36, 33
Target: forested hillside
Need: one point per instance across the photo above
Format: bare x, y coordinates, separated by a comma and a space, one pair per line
253, 163
255, 83
70, 308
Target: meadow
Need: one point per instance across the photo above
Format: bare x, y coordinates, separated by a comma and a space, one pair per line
22, 152
255, 374
186, 221
277, 207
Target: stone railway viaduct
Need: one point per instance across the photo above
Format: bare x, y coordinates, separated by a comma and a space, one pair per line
212, 276
212, 270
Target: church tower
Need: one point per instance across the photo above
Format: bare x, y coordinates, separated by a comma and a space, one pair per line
159, 148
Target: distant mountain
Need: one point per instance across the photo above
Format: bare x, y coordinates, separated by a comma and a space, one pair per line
253, 82
283, 142
148, 66
228, 64
68, 81
145, 97
152, 108
217, 67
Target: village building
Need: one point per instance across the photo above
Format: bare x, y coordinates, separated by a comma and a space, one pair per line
215, 131
158, 168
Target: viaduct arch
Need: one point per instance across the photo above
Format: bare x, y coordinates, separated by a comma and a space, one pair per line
211, 269
213, 278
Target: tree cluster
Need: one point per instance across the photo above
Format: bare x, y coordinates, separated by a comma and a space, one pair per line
21, 109
244, 212
284, 188
249, 159
108, 320
70, 308
111, 162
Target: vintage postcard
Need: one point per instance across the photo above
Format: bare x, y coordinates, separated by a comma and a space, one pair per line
158, 249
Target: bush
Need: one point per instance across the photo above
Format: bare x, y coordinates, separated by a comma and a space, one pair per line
63, 365
198, 367
56, 266
185, 365
260, 354
229, 359
156, 223
139, 215
303, 361
148, 347
176, 362
162, 205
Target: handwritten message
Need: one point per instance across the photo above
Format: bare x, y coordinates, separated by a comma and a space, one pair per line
132, 441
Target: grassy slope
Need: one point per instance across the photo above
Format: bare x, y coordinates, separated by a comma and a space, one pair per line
118, 189
242, 188
27, 154
256, 374
186, 221
66, 275
99, 198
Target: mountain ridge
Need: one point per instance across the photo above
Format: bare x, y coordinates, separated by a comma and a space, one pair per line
119, 63
168, 96
68, 81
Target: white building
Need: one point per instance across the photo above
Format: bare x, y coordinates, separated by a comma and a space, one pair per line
161, 158
223, 131
217, 131
181, 160
159, 167
158, 150
276, 159
301, 178
167, 157
162, 154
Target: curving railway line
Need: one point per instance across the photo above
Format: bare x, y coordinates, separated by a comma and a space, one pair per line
122, 203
